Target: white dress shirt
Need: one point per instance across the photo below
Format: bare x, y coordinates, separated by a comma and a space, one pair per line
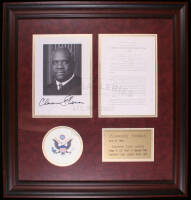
61, 84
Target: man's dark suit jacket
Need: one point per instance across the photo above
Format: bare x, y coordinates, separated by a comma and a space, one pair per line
73, 87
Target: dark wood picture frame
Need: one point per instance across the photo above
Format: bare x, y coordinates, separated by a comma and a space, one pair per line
13, 13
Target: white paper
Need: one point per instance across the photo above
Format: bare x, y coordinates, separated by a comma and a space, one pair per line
58, 106
127, 75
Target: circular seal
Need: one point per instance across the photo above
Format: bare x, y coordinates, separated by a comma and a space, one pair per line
62, 146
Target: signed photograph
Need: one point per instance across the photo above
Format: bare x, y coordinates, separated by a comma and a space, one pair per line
62, 75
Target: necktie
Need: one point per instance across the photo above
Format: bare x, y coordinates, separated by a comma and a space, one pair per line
60, 86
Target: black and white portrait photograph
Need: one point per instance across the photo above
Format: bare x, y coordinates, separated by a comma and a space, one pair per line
62, 76
62, 69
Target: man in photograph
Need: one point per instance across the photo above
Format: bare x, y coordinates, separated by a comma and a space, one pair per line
65, 81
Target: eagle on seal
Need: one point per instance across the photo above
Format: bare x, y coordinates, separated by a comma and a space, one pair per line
60, 147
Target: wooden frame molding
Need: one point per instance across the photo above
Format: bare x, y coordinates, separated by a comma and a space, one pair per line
13, 13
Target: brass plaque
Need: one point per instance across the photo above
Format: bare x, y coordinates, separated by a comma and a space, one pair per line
127, 144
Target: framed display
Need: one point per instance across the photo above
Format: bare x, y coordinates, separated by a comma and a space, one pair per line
95, 99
